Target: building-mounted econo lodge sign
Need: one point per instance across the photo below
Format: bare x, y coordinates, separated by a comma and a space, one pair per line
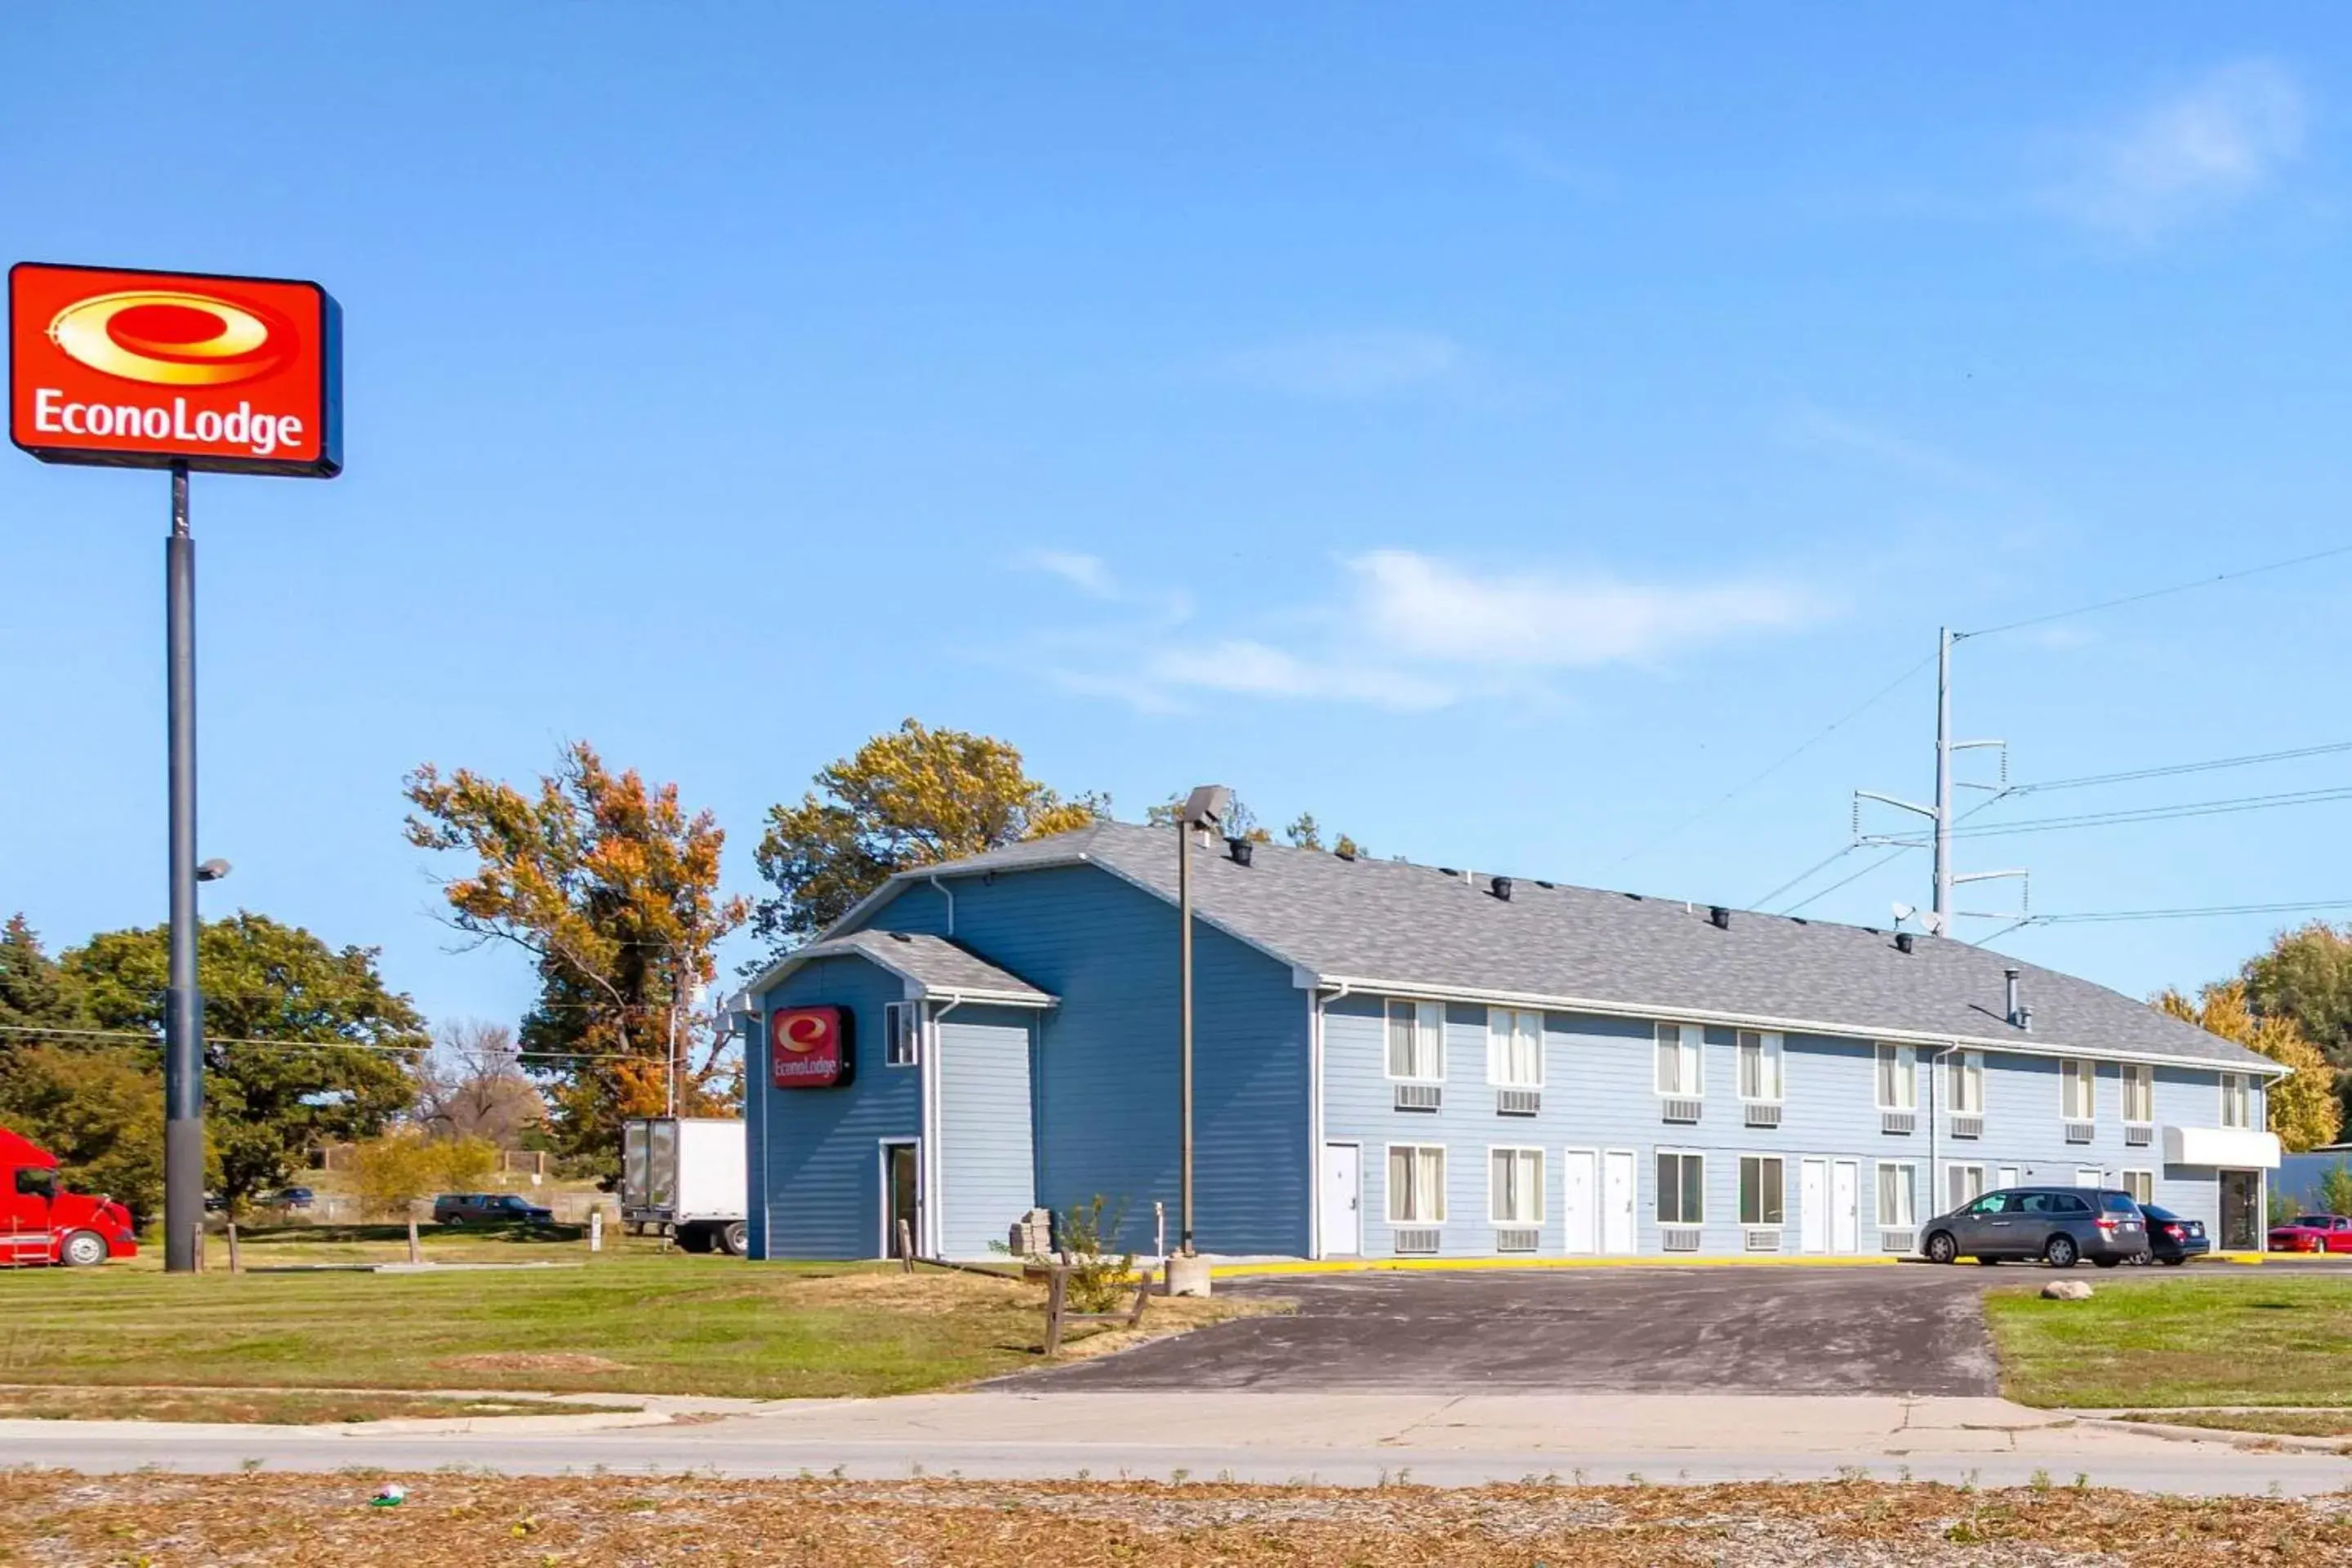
135, 369
809, 1048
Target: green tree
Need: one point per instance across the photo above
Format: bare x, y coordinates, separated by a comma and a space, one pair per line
96, 1104
2304, 1109
613, 891
915, 796
2336, 1189
35, 992
2306, 978
336, 1049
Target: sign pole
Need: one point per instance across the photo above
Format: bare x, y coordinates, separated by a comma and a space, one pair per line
184, 1018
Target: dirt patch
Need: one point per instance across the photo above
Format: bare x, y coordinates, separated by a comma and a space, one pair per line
530, 1360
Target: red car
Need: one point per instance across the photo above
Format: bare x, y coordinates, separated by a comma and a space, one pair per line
43, 1223
2313, 1232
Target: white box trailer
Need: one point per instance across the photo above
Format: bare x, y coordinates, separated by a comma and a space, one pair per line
685, 1174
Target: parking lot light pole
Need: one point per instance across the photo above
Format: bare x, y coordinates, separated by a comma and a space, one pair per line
1205, 807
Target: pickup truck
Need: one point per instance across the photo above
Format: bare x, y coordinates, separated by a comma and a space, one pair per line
41, 1222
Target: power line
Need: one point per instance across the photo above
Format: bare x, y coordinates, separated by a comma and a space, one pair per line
1760, 776
2194, 913
2224, 808
1820, 865
2156, 593
2219, 763
71, 1036
1858, 876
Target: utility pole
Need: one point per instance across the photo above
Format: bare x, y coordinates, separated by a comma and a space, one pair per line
184, 1006
1943, 889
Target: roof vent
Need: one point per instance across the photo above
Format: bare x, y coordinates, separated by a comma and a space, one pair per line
1542, 883
1447, 872
1904, 941
1344, 852
1718, 917
1501, 888
1239, 848
2012, 1011
900, 936
2025, 1019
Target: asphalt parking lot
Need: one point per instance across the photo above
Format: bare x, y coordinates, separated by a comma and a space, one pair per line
1910, 1329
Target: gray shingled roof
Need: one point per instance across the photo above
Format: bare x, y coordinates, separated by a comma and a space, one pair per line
1414, 927
935, 963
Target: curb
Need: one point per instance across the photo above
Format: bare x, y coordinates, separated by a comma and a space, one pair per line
2259, 1441
1443, 1265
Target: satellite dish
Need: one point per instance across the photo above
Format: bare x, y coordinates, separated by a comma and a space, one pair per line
1905, 911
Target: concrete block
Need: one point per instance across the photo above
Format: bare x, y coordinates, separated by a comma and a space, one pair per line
2066, 1291
1188, 1275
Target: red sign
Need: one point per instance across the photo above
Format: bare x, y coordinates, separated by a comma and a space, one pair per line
808, 1048
144, 370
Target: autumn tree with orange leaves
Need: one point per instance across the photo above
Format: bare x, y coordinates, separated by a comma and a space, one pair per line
613, 891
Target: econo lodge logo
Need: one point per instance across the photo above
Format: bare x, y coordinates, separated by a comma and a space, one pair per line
809, 1048
151, 369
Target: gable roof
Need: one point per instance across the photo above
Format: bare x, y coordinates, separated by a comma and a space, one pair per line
1397, 927
932, 965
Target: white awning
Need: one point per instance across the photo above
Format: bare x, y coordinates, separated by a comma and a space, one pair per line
2238, 1147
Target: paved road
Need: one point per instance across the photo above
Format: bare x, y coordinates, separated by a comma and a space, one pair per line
1904, 1330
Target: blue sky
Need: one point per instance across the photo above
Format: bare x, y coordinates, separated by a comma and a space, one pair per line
1504, 435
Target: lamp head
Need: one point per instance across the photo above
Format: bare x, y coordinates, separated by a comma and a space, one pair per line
211, 870
1208, 807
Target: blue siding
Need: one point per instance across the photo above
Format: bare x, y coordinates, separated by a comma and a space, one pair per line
820, 1149
1106, 1059
987, 1165
1599, 1094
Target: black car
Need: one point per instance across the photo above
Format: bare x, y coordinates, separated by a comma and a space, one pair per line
489, 1208
294, 1198
2059, 1226
2172, 1239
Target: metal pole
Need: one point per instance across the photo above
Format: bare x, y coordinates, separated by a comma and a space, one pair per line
1184, 1022
184, 1015
1943, 902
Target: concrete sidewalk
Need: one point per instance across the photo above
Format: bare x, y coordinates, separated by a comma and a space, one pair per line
1273, 1438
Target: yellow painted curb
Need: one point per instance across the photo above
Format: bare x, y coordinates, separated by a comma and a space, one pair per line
1427, 1265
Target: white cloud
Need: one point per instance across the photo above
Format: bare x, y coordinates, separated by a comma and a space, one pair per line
1088, 574
1349, 365
1822, 430
1532, 620
2201, 150
1248, 668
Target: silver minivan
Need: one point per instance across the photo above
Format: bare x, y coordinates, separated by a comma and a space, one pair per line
2058, 1225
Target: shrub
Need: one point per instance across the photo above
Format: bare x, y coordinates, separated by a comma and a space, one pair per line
1098, 1279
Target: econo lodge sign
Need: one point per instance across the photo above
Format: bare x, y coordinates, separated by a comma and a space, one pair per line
148, 369
808, 1048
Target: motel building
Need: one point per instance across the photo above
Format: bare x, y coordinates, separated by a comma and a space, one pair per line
1395, 1060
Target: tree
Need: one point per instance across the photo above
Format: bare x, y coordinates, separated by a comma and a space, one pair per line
915, 796
35, 992
2304, 1110
473, 1086
2306, 978
613, 891
2336, 1188
304, 1043
404, 1166
96, 1103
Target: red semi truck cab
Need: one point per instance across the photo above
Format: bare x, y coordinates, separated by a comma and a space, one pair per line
41, 1222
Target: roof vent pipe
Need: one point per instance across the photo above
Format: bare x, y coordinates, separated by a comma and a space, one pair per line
1239, 848
1501, 888
2012, 1011
2025, 1019
1903, 942
1718, 917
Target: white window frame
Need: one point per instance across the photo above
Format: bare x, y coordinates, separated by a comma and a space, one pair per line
2071, 1070
1905, 1076
1953, 1200
2138, 1075
2137, 1182
1762, 1160
1503, 1026
2234, 1088
1771, 1055
1519, 1152
1424, 1039
1388, 1183
1967, 1071
1658, 1189
1909, 1188
902, 1034
1689, 1046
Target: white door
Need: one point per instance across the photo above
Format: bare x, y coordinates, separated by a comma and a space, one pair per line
1617, 1200
1813, 1206
2085, 1176
1576, 1209
1342, 1216
1845, 1207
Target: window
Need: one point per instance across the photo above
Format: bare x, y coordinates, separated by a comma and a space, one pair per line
1417, 1041
1898, 1078
1966, 1069
1896, 1204
1514, 1048
1678, 1060
32, 1183
1760, 1189
1963, 1185
2078, 1084
2140, 1092
2236, 1107
1515, 1186
902, 1034
2141, 1185
1760, 1066
1682, 1189
1416, 1184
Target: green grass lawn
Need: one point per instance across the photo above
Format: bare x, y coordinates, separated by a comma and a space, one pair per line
2292, 1423
2245, 1337
629, 1322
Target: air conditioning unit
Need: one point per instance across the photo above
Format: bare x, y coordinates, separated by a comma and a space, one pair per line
1679, 1239
1518, 1101
1416, 1243
1758, 1114
1901, 1123
1679, 1109
1420, 1095
1968, 1126
1516, 1239
2080, 1131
